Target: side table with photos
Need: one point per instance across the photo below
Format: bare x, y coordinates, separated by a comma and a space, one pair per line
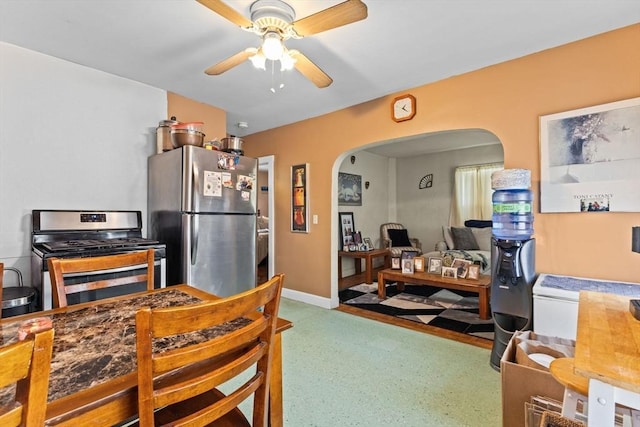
368, 256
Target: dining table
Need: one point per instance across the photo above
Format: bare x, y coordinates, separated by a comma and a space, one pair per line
608, 354
93, 378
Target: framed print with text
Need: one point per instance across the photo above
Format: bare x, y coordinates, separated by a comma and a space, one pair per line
300, 198
590, 159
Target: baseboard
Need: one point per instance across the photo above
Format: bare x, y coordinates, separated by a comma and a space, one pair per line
306, 298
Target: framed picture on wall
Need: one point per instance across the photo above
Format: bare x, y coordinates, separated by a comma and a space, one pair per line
347, 228
590, 159
349, 189
300, 198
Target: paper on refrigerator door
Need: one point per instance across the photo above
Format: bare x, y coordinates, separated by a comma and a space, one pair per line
212, 184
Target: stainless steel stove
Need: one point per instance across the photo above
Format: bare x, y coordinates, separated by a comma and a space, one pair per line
72, 234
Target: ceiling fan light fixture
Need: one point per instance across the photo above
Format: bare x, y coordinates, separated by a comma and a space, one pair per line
258, 60
287, 62
272, 46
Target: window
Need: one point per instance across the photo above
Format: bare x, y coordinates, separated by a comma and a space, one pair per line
472, 193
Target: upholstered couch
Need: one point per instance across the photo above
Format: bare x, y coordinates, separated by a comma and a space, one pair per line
472, 242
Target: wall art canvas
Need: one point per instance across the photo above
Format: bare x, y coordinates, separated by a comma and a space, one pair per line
590, 159
349, 189
300, 198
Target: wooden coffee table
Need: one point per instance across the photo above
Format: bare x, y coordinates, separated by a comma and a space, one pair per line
482, 286
368, 256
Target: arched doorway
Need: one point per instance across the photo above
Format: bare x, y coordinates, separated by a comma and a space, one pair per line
393, 171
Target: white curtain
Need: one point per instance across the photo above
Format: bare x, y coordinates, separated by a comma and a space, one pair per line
472, 193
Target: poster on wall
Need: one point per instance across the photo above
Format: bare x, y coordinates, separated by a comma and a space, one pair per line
300, 198
349, 189
590, 159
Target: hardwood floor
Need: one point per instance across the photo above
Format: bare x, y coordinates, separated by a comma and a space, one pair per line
403, 323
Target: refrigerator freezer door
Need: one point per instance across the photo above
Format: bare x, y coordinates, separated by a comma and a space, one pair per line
215, 181
219, 253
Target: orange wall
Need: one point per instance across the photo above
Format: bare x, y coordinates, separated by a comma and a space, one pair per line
187, 110
506, 99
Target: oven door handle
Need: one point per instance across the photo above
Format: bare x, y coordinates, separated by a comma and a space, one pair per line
195, 223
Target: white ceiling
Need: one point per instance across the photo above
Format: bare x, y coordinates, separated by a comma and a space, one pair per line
402, 44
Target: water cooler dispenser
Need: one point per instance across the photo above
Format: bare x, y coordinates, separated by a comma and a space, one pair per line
512, 258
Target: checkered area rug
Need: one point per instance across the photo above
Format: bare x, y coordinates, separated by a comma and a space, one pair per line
453, 310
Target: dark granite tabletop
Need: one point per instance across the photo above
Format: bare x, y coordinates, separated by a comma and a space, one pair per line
98, 343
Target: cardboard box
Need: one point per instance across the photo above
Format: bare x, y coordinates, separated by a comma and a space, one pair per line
519, 383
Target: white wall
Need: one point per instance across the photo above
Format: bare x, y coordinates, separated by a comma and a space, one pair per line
71, 137
424, 211
375, 199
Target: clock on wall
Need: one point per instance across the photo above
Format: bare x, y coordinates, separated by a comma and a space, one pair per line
403, 108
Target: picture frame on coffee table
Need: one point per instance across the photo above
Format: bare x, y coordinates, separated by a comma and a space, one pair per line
407, 266
395, 263
435, 265
473, 272
418, 264
462, 267
450, 272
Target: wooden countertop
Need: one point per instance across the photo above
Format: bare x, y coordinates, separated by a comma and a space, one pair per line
608, 340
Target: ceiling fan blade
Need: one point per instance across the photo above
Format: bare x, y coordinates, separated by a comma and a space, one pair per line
310, 70
226, 11
336, 16
231, 62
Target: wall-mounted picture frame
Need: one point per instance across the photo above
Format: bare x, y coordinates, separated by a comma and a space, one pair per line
590, 159
395, 263
407, 266
450, 272
300, 198
349, 189
418, 264
347, 228
435, 265
473, 272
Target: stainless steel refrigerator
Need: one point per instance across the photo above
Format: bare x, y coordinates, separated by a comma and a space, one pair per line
202, 205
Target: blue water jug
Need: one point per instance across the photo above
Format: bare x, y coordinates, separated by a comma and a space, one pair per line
512, 214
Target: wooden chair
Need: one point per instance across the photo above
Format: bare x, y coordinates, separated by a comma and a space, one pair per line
409, 243
26, 364
182, 379
59, 267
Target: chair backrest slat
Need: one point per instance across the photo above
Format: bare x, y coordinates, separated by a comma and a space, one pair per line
60, 268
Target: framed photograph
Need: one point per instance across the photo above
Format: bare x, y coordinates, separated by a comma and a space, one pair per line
349, 189
450, 272
462, 266
395, 263
407, 266
408, 254
473, 272
347, 228
369, 243
300, 198
435, 265
590, 159
418, 263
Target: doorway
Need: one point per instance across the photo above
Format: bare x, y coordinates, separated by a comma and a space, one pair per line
266, 184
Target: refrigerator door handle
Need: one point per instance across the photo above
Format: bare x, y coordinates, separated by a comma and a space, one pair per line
195, 223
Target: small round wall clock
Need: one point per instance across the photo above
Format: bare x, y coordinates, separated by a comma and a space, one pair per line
403, 108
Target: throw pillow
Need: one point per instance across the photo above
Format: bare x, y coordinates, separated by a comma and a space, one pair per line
464, 239
399, 237
483, 237
448, 237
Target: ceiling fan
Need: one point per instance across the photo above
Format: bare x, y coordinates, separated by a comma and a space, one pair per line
274, 21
